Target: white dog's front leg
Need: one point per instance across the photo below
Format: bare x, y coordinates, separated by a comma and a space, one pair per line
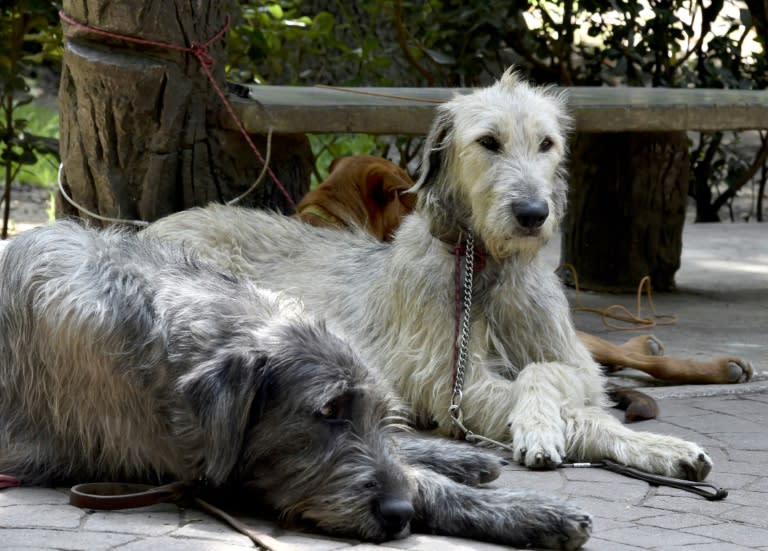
536, 422
594, 434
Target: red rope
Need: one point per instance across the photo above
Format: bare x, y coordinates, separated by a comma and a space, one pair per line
200, 51
7, 481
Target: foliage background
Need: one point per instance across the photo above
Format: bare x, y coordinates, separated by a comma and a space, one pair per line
29, 39
672, 43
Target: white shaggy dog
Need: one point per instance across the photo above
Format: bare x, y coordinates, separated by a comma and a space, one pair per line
493, 167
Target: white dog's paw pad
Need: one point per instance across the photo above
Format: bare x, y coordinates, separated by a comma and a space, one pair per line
696, 469
539, 459
544, 450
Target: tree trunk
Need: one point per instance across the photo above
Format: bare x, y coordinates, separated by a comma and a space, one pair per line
140, 125
627, 209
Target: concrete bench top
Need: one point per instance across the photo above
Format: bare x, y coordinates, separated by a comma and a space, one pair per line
319, 109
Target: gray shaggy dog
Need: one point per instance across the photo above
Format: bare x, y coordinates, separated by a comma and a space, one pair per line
126, 359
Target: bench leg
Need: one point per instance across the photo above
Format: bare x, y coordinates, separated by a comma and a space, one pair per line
628, 194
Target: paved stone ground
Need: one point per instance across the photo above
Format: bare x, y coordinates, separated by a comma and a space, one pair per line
723, 310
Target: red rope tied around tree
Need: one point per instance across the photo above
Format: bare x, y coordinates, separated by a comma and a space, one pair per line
200, 51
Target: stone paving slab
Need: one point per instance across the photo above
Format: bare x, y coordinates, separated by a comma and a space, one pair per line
629, 514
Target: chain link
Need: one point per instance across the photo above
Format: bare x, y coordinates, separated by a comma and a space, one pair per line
457, 415
464, 326
455, 411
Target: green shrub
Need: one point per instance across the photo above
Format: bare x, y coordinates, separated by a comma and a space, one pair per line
28, 38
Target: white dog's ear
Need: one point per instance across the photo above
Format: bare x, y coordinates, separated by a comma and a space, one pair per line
510, 77
435, 151
225, 397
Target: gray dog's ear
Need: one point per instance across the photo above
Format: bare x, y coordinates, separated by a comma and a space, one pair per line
435, 152
226, 397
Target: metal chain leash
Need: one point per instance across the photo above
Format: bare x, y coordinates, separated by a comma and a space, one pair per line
462, 358
464, 326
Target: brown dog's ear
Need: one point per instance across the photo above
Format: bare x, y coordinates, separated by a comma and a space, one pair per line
385, 184
374, 183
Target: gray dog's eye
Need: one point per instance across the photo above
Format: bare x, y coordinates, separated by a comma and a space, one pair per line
337, 410
490, 143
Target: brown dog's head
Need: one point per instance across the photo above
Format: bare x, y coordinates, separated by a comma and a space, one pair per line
363, 191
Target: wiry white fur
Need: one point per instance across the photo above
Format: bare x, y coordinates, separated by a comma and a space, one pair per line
530, 380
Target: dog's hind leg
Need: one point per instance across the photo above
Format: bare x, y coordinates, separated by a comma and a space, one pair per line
615, 356
510, 517
718, 371
644, 353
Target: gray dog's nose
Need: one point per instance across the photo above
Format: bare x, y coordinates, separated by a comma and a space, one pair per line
531, 214
394, 513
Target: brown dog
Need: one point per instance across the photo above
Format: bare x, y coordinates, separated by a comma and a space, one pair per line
363, 191
368, 192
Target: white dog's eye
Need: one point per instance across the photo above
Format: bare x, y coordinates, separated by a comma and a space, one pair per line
490, 143
546, 144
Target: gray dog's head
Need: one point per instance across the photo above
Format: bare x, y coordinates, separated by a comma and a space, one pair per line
288, 410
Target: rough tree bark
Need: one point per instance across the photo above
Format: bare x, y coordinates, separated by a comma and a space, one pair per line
626, 188
141, 132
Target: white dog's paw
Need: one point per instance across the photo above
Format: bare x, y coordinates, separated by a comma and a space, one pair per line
673, 457
537, 446
695, 465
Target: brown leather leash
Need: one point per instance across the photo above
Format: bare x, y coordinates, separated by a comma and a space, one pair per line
108, 496
114, 495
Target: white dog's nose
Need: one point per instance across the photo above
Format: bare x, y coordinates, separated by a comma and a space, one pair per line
531, 214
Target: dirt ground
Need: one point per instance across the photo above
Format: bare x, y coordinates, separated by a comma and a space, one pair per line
30, 207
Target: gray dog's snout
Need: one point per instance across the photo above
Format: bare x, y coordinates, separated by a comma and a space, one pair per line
531, 214
394, 513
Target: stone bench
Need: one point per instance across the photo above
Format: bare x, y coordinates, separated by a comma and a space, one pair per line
629, 167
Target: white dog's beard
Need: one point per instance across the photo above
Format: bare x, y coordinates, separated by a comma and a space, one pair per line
524, 246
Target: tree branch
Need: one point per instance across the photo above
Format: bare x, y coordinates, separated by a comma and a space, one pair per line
733, 188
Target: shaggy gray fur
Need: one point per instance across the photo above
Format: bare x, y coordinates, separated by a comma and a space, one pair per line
128, 359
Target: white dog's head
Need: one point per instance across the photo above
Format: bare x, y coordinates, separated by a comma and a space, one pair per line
494, 163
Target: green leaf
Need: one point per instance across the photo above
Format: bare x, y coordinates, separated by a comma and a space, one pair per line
323, 23
27, 158
276, 11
